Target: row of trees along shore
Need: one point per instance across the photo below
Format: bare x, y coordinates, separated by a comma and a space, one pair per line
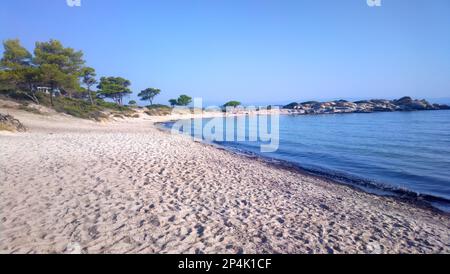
57, 71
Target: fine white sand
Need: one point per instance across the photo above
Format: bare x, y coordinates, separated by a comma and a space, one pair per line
70, 186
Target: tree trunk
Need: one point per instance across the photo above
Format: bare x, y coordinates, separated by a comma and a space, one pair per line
33, 98
90, 96
51, 95
36, 100
32, 94
117, 100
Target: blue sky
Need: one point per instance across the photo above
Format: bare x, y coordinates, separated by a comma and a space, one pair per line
252, 51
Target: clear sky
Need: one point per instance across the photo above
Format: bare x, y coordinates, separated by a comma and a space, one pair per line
252, 51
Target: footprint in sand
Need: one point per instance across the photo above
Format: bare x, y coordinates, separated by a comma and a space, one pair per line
200, 229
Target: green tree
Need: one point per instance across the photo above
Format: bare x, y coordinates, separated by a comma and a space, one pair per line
88, 78
149, 94
114, 88
22, 80
173, 102
27, 79
4, 80
184, 100
53, 78
17, 70
132, 103
232, 104
53, 52
14, 55
68, 61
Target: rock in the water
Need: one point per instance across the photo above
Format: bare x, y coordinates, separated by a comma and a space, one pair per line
8, 122
363, 106
443, 107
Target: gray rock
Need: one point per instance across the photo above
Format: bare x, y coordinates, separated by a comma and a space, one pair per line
363, 106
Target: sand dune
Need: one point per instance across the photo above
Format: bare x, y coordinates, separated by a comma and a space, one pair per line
71, 186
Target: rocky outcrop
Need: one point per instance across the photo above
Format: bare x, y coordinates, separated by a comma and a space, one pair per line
8, 122
437, 106
291, 105
364, 106
408, 104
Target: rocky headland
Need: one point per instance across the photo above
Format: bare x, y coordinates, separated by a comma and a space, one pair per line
364, 106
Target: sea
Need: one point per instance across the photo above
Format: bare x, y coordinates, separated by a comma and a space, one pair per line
405, 154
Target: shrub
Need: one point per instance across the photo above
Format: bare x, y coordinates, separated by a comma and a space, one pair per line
158, 106
73, 106
4, 127
79, 107
110, 105
30, 109
9, 123
158, 110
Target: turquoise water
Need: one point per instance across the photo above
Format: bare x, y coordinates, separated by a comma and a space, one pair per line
404, 152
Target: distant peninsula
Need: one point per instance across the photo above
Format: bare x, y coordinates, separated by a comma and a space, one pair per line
364, 106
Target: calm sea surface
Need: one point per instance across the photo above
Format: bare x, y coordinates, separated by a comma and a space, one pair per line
399, 151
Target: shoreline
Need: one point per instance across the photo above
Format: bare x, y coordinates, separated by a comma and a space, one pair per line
433, 202
125, 186
424, 201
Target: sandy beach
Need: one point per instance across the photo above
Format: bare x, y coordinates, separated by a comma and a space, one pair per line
76, 186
